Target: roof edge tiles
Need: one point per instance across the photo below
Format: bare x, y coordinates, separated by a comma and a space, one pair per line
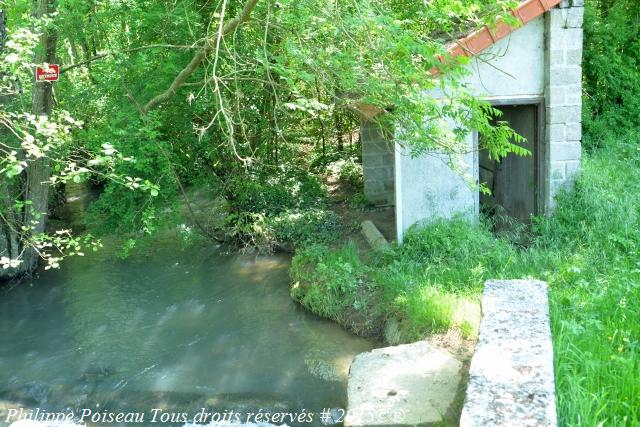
480, 40
486, 36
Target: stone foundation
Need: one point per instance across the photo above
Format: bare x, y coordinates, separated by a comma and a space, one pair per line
377, 164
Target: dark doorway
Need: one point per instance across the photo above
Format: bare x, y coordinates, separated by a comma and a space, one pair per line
514, 181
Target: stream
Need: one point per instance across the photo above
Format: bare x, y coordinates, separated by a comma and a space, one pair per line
168, 328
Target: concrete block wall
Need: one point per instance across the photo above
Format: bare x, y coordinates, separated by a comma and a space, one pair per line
563, 97
377, 163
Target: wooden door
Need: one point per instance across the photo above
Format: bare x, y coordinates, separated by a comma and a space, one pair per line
513, 180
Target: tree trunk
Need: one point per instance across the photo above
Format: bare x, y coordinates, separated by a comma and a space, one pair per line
38, 171
3, 28
33, 185
9, 239
9, 246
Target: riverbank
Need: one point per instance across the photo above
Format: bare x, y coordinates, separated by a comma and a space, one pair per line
587, 252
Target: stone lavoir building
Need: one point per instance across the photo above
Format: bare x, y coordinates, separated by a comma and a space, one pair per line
533, 74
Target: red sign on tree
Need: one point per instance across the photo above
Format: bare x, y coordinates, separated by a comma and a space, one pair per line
49, 73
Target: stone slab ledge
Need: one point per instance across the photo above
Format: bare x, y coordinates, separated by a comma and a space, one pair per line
511, 380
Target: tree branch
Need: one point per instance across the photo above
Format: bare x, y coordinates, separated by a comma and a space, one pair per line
135, 49
197, 59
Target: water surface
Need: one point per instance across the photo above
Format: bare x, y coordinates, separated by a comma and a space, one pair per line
169, 328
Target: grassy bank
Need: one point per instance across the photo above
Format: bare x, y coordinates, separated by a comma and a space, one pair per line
588, 253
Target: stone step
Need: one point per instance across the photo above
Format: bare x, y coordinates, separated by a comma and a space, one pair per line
405, 385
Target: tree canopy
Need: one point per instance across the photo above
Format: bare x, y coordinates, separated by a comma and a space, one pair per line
155, 96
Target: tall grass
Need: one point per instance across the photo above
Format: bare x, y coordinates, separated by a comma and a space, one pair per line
587, 252
595, 291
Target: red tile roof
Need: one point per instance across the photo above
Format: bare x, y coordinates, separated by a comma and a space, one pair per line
481, 39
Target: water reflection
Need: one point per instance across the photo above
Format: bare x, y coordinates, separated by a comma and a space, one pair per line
169, 329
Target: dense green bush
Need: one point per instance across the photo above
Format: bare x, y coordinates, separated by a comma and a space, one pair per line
348, 172
272, 192
282, 210
119, 209
612, 69
286, 230
306, 226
